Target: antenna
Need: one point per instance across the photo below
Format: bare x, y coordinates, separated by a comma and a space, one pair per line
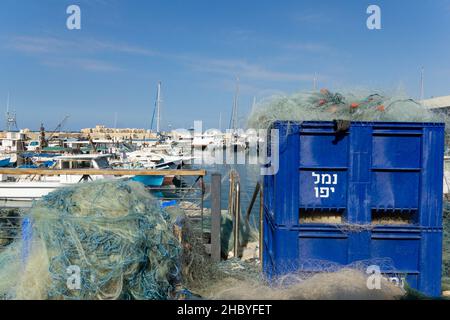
421, 84
7, 103
220, 121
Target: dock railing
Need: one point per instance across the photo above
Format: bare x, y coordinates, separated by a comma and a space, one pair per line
92, 172
235, 211
187, 192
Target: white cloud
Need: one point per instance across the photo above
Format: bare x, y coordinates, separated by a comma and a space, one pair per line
29, 44
85, 54
33, 45
84, 64
310, 18
56, 52
241, 68
308, 47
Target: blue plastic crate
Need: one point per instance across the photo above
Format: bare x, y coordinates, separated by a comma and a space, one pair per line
415, 253
367, 174
371, 167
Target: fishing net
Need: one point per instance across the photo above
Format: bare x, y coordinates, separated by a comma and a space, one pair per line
242, 280
328, 106
364, 106
112, 236
446, 250
247, 234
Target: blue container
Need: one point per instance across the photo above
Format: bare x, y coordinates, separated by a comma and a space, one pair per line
385, 179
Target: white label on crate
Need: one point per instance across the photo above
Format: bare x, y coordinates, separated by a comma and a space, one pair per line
324, 180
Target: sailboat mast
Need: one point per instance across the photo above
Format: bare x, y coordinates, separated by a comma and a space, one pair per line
235, 106
421, 84
158, 108
7, 113
254, 104
7, 104
315, 82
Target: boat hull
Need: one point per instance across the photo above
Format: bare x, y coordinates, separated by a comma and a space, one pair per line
150, 181
5, 162
14, 194
18, 194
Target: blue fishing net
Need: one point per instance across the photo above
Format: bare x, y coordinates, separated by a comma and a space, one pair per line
102, 240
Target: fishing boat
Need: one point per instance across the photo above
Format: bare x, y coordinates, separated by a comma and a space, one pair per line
10, 146
211, 139
21, 190
147, 159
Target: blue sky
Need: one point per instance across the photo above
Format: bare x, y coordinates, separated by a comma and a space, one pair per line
198, 47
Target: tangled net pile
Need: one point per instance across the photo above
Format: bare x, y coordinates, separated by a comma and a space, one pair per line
446, 250
113, 232
244, 281
328, 106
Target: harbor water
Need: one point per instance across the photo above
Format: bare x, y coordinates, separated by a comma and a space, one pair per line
245, 164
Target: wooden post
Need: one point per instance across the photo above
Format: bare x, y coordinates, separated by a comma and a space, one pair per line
237, 220
216, 180
252, 202
261, 224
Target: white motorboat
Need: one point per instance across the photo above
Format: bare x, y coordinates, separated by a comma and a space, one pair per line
20, 191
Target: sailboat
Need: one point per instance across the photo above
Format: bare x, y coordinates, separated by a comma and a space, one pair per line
152, 181
234, 140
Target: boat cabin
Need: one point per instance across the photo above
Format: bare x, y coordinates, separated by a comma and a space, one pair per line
83, 161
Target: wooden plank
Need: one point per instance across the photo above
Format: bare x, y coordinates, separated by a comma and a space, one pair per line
90, 172
216, 211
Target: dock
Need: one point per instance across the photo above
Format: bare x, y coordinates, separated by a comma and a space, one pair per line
91, 172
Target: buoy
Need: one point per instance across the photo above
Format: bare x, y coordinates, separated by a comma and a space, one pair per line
380, 108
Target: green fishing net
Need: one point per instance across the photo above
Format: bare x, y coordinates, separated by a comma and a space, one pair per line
328, 106
446, 250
